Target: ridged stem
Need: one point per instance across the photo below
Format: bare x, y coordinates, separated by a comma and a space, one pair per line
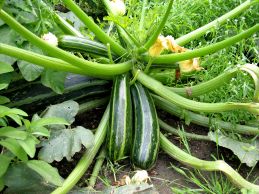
218, 165
175, 131
91, 68
142, 16
206, 87
38, 59
253, 70
203, 120
172, 58
60, 65
97, 167
157, 32
202, 30
188, 104
100, 34
87, 158
84, 107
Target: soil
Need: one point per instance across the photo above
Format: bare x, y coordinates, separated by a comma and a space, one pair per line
162, 175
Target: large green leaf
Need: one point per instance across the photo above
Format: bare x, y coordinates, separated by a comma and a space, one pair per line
4, 161
13, 146
5, 67
1, 183
10, 36
49, 173
247, 153
13, 133
20, 179
66, 110
54, 80
65, 143
30, 71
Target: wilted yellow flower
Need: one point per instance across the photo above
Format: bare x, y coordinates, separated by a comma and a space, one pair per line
158, 46
118, 7
190, 65
173, 46
169, 43
141, 176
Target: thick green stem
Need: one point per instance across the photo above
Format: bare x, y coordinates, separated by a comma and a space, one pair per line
38, 59
90, 68
172, 58
253, 70
97, 167
202, 30
218, 165
66, 27
156, 33
175, 131
100, 34
87, 158
203, 120
183, 102
206, 87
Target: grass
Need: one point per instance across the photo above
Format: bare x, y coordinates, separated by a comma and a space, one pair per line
203, 182
189, 15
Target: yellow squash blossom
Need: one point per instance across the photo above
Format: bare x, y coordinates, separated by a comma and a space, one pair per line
168, 43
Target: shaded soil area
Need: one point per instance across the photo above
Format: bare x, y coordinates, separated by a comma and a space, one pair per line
163, 176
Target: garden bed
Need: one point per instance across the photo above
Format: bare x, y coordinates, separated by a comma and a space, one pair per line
103, 96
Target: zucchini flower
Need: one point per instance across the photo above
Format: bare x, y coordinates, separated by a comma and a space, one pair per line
157, 48
168, 43
186, 66
118, 7
50, 38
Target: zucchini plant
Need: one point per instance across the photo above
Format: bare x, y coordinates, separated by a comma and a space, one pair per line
126, 54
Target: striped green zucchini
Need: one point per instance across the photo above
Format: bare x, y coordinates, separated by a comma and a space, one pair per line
146, 129
119, 134
33, 96
81, 44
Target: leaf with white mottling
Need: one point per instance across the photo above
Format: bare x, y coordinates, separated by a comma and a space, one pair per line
66, 110
247, 153
65, 143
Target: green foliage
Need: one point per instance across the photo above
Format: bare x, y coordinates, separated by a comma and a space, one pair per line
38, 16
34, 176
22, 140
